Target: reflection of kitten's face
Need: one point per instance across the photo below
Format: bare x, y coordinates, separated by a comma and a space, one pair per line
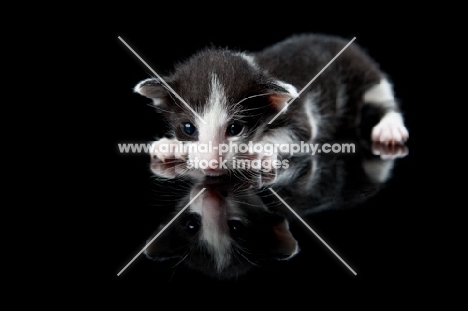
223, 234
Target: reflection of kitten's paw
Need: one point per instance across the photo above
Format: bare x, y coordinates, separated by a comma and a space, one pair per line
389, 151
390, 130
166, 148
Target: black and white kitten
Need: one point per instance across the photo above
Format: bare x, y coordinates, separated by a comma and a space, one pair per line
237, 94
232, 98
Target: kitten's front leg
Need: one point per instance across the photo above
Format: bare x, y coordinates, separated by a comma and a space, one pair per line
269, 162
168, 159
274, 158
390, 129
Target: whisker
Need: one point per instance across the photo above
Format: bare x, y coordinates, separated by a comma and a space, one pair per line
245, 257
244, 99
180, 261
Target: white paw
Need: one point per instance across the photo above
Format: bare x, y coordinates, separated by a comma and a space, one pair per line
167, 158
390, 130
170, 169
261, 162
269, 163
165, 149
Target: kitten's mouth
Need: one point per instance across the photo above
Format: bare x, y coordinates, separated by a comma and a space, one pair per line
214, 172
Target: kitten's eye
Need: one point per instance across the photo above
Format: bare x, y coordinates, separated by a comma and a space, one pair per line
189, 128
236, 227
235, 129
192, 224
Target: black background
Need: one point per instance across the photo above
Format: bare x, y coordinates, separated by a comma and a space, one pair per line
384, 240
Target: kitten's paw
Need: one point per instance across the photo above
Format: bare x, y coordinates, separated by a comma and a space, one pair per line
170, 169
166, 149
167, 158
261, 165
390, 130
389, 151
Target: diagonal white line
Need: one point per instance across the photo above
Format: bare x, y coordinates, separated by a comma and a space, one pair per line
161, 79
312, 230
162, 230
316, 76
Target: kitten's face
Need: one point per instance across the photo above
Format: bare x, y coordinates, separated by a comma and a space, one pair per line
224, 234
232, 100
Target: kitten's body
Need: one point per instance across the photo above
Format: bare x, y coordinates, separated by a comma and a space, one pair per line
237, 95
234, 90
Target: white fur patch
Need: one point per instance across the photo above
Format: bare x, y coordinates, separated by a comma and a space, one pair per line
215, 114
279, 136
285, 176
378, 170
250, 59
381, 94
214, 212
289, 87
215, 234
310, 110
390, 129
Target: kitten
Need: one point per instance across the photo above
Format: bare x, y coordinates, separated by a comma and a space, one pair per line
222, 97
231, 97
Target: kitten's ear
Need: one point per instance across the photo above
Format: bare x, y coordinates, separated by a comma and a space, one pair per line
287, 246
151, 88
281, 93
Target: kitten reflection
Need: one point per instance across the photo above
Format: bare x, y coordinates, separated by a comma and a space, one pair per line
224, 232
235, 225
389, 151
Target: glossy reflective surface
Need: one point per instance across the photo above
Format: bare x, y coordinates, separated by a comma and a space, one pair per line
237, 227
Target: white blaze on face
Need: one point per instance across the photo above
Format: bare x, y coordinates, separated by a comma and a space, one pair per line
213, 210
215, 115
